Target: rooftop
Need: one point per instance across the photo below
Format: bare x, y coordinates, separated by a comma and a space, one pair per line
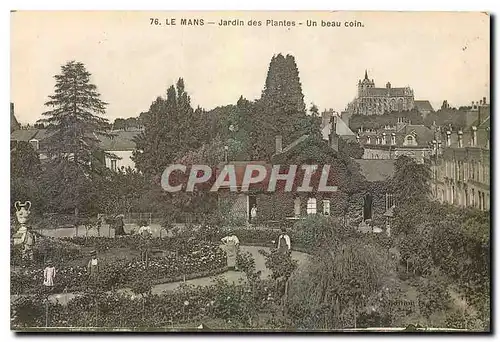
376, 170
423, 105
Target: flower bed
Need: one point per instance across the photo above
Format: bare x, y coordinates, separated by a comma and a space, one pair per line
193, 260
47, 248
221, 300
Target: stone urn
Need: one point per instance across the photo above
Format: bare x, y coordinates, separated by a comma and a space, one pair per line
22, 215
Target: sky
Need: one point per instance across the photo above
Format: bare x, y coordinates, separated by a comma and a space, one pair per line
441, 55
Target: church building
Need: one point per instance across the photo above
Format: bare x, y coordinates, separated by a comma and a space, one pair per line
377, 101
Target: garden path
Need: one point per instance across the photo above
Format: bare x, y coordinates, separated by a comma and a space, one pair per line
230, 276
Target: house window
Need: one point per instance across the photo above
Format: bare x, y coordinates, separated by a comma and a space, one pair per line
113, 164
326, 207
410, 140
311, 206
35, 143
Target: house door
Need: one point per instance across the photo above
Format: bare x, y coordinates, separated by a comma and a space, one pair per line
296, 205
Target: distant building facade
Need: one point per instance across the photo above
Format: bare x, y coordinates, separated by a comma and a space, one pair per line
119, 149
371, 100
413, 141
461, 162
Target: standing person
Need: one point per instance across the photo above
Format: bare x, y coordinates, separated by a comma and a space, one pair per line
29, 240
93, 268
49, 273
119, 225
284, 244
145, 234
253, 213
145, 230
232, 244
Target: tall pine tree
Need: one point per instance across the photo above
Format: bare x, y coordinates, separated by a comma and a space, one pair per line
74, 120
69, 180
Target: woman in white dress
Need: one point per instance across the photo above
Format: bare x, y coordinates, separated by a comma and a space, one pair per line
49, 273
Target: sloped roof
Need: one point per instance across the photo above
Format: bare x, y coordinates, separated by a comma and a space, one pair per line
385, 91
485, 123
23, 134
295, 143
43, 134
122, 141
376, 170
424, 134
342, 129
423, 105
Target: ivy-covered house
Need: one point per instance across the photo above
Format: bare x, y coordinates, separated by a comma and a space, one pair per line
353, 180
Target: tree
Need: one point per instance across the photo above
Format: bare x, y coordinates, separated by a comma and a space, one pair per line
74, 120
411, 181
119, 124
281, 109
170, 130
333, 289
24, 161
351, 148
74, 125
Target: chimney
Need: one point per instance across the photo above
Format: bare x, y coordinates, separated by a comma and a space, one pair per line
326, 117
460, 139
334, 138
279, 144
474, 136
448, 138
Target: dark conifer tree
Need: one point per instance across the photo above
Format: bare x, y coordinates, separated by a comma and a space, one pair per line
281, 109
75, 120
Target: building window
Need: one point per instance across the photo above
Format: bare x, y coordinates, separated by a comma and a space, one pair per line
326, 207
311, 206
409, 140
113, 164
393, 139
35, 143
